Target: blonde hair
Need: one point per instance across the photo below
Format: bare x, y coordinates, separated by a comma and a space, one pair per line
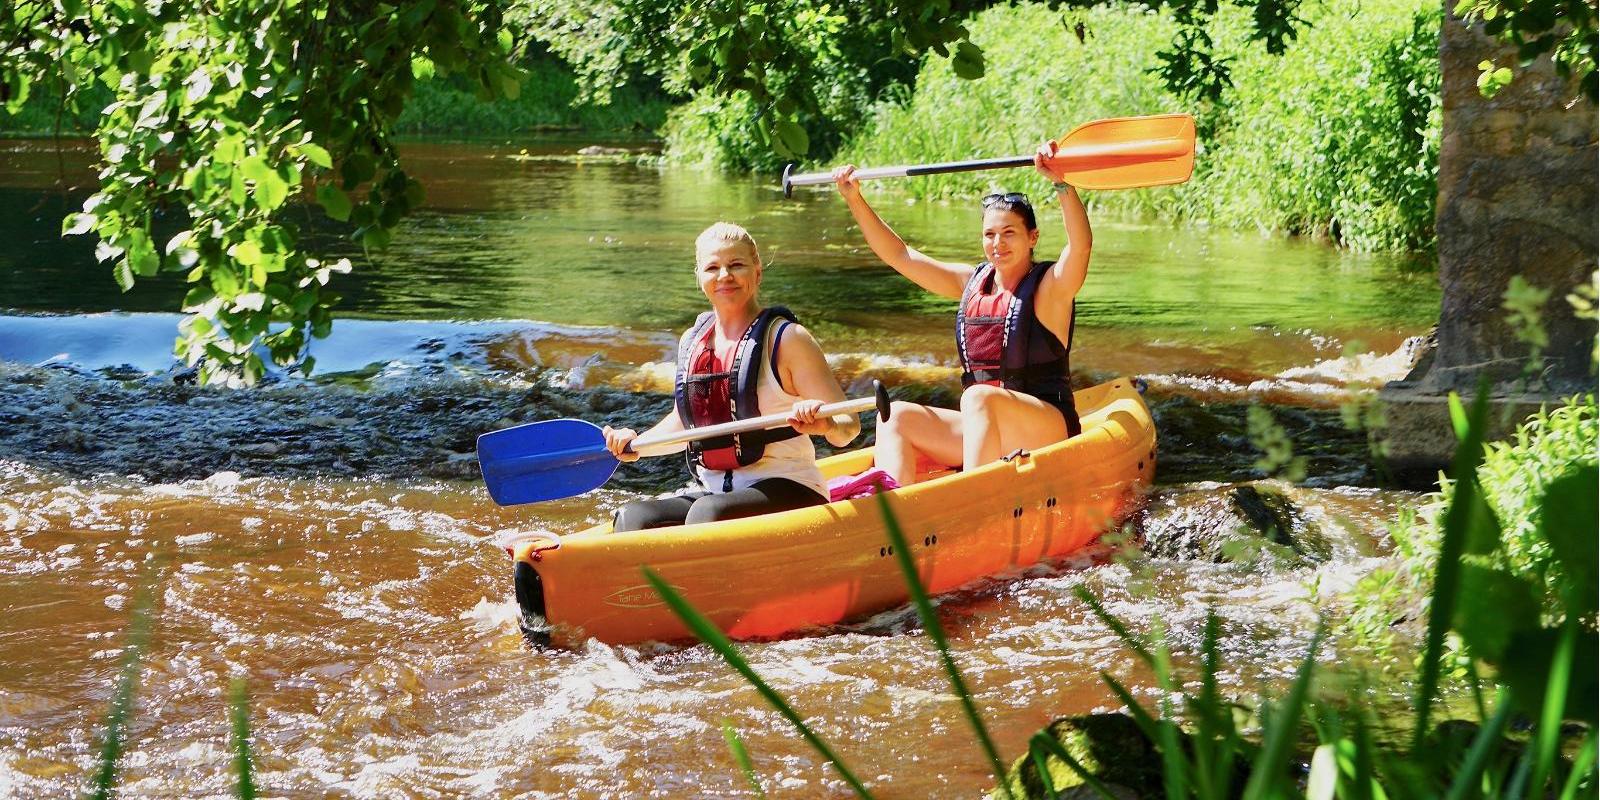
722, 233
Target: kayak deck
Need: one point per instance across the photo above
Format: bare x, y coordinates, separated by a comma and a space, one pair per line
768, 575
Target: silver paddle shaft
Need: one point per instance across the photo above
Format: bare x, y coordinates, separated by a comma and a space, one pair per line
663, 443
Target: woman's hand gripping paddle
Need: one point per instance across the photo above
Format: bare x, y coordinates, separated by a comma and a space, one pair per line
567, 457
1124, 153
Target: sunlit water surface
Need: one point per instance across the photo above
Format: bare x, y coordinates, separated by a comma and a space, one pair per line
326, 539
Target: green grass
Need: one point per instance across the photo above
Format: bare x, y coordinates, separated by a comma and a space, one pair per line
114, 738
1336, 138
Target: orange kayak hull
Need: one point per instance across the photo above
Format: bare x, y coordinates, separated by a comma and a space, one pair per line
767, 576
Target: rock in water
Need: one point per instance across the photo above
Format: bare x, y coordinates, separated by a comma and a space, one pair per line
1108, 746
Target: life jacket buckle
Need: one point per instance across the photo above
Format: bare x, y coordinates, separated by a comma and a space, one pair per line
1020, 452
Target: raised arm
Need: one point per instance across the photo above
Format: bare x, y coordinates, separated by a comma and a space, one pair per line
803, 370
1069, 271
943, 278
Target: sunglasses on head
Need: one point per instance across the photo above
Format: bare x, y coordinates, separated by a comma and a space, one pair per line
1009, 198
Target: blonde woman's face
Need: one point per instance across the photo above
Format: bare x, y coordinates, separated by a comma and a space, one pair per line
729, 273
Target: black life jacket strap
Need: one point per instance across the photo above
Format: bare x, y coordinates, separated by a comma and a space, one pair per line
1033, 372
744, 374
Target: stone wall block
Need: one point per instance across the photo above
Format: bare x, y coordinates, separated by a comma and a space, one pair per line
1518, 195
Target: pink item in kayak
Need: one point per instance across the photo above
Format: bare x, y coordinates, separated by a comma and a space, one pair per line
849, 487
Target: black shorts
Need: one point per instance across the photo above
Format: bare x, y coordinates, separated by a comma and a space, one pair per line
762, 497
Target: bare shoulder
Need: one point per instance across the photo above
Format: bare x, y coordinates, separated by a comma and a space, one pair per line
796, 337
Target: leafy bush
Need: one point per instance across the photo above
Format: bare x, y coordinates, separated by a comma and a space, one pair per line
549, 100
1337, 137
1515, 476
853, 64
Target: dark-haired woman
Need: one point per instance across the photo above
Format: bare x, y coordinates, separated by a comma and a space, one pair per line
1013, 332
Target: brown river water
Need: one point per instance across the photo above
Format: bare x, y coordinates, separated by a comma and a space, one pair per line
328, 539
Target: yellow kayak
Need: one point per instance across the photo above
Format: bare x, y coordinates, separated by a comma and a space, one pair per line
768, 575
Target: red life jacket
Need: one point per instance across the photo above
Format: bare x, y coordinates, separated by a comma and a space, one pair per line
1003, 343
707, 392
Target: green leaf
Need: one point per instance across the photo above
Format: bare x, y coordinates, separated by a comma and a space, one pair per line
790, 137
334, 201
1492, 607
271, 191
1270, 770
246, 253
1482, 527
930, 623
229, 149
254, 168
510, 82
123, 273
741, 756
142, 256
1458, 417
1569, 515
223, 280
1324, 777
239, 713
357, 168
76, 224
375, 238
316, 154
197, 297
968, 61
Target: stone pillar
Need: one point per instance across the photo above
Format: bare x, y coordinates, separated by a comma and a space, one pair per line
1517, 196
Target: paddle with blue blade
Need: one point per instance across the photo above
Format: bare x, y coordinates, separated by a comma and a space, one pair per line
561, 458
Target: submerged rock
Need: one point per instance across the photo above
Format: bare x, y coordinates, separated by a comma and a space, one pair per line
83, 425
1233, 524
1108, 746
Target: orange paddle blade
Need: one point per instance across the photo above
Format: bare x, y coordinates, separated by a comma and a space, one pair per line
1128, 152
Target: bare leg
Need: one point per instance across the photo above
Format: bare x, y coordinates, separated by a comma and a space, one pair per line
915, 429
996, 421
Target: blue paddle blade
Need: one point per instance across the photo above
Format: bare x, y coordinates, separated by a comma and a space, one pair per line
544, 461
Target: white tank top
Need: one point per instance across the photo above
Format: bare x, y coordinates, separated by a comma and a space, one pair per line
794, 459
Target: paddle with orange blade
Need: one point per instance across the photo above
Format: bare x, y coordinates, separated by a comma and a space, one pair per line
1122, 153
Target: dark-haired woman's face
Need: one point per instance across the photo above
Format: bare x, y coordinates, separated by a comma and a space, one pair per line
1006, 238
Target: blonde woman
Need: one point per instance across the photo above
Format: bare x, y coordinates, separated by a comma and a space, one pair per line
742, 360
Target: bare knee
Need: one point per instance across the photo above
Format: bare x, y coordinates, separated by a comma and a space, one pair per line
894, 426
979, 400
